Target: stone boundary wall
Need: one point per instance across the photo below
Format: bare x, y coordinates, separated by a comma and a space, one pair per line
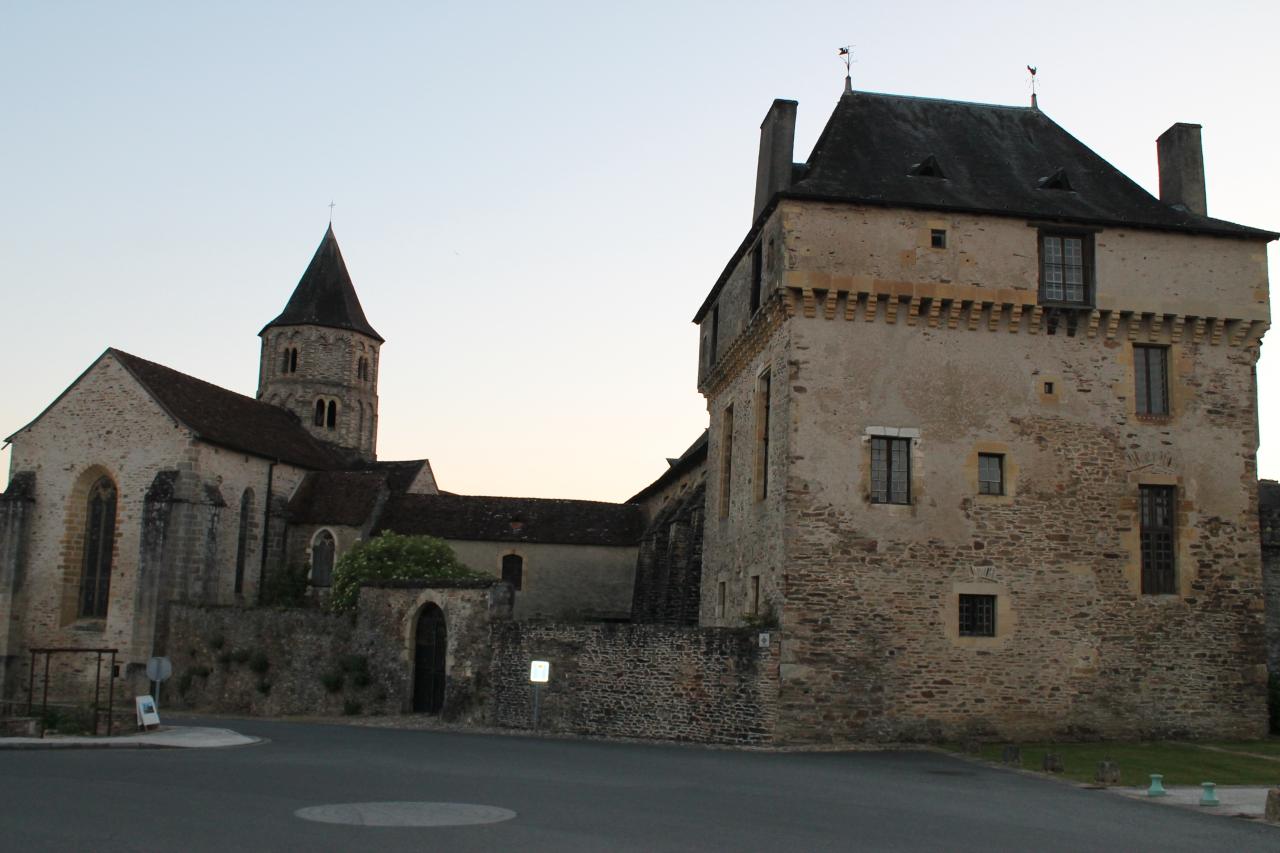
269, 662
709, 685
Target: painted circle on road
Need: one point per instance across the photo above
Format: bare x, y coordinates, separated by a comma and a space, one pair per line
405, 814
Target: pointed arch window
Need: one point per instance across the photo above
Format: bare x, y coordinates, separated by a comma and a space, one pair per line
332, 420
318, 420
322, 548
99, 536
242, 543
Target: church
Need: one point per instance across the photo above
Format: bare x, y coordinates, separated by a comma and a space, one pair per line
980, 462
140, 487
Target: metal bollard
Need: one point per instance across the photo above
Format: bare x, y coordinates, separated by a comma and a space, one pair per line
1209, 797
1157, 786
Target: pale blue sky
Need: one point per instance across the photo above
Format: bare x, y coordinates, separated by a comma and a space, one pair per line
532, 199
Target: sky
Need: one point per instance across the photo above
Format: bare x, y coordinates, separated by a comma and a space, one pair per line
532, 198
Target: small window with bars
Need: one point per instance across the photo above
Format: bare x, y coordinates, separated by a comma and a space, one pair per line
1157, 539
990, 473
1151, 378
890, 470
1064, 268
977, 615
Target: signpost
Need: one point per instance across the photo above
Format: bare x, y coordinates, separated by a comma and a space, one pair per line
158, 670
539, 674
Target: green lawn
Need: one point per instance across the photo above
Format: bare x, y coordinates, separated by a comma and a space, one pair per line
1181, 763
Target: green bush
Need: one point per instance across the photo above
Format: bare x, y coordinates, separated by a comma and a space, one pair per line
394, 557
332, 681
258, 662
286, 587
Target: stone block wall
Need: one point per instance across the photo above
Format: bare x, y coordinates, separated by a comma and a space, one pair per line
1269, 522
646, 681
312, 664
669, 565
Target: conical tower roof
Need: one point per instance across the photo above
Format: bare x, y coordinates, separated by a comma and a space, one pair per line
325, 295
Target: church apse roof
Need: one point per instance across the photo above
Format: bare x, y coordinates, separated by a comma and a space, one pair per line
351, 497
502, 519
325, 295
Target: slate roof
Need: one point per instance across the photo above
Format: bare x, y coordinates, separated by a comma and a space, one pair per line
993, 160
694, 456
325, 295
349, 497
231, 420
501, 519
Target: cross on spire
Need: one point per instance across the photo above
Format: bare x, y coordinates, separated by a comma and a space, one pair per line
331, 206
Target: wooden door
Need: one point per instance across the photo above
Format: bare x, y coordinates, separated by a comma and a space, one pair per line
430, 646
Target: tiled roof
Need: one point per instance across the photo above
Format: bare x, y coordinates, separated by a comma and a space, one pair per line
993, 159
879, 149
325, 295
350, 497
231, 420
500, 519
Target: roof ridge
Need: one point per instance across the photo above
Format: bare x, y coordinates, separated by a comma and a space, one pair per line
983, 104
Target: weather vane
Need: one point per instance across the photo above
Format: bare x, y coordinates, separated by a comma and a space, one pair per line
1033, 69
846, 54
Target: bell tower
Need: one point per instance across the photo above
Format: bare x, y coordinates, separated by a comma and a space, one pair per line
320, 356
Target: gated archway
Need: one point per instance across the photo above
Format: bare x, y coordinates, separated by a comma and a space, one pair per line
429, 647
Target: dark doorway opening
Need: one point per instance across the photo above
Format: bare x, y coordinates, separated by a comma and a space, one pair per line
428, 660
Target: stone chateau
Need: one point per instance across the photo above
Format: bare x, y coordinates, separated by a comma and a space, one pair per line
980, 462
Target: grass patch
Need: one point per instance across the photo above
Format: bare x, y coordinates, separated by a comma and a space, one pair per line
1270, 746
1181, 763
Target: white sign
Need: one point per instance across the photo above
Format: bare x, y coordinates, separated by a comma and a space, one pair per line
764, 639
539, 671
147, 713
159, 669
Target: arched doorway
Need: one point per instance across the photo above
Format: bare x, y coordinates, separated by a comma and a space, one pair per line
430, 644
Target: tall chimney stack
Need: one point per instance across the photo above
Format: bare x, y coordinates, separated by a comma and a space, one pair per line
1182, 167
777, 138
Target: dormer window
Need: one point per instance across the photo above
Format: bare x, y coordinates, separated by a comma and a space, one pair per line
1056, 181
927, 168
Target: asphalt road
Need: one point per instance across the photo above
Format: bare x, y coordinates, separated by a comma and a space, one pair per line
568, 796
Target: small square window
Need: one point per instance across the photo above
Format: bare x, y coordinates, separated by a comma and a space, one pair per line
990, 473
938, 238
1048, 387
977, 615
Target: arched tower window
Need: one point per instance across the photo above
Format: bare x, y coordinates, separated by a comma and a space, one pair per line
284, 361
319, 418
99, 535
322, 547
242, 543
513, 570
293, 359
332, 421
362, 369
360, 422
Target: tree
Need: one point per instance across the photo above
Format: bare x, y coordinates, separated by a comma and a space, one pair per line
392, 556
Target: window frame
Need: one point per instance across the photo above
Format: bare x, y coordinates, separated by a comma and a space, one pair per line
324, 535
757, 277
1142, 383
102, 506
514, 563
726, 460
890, 442
1158, 543
978, 618
1000, 487
764, 394
1087, 268
937, 238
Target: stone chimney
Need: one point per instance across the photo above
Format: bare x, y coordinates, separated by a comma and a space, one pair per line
1182, 167
777, 138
